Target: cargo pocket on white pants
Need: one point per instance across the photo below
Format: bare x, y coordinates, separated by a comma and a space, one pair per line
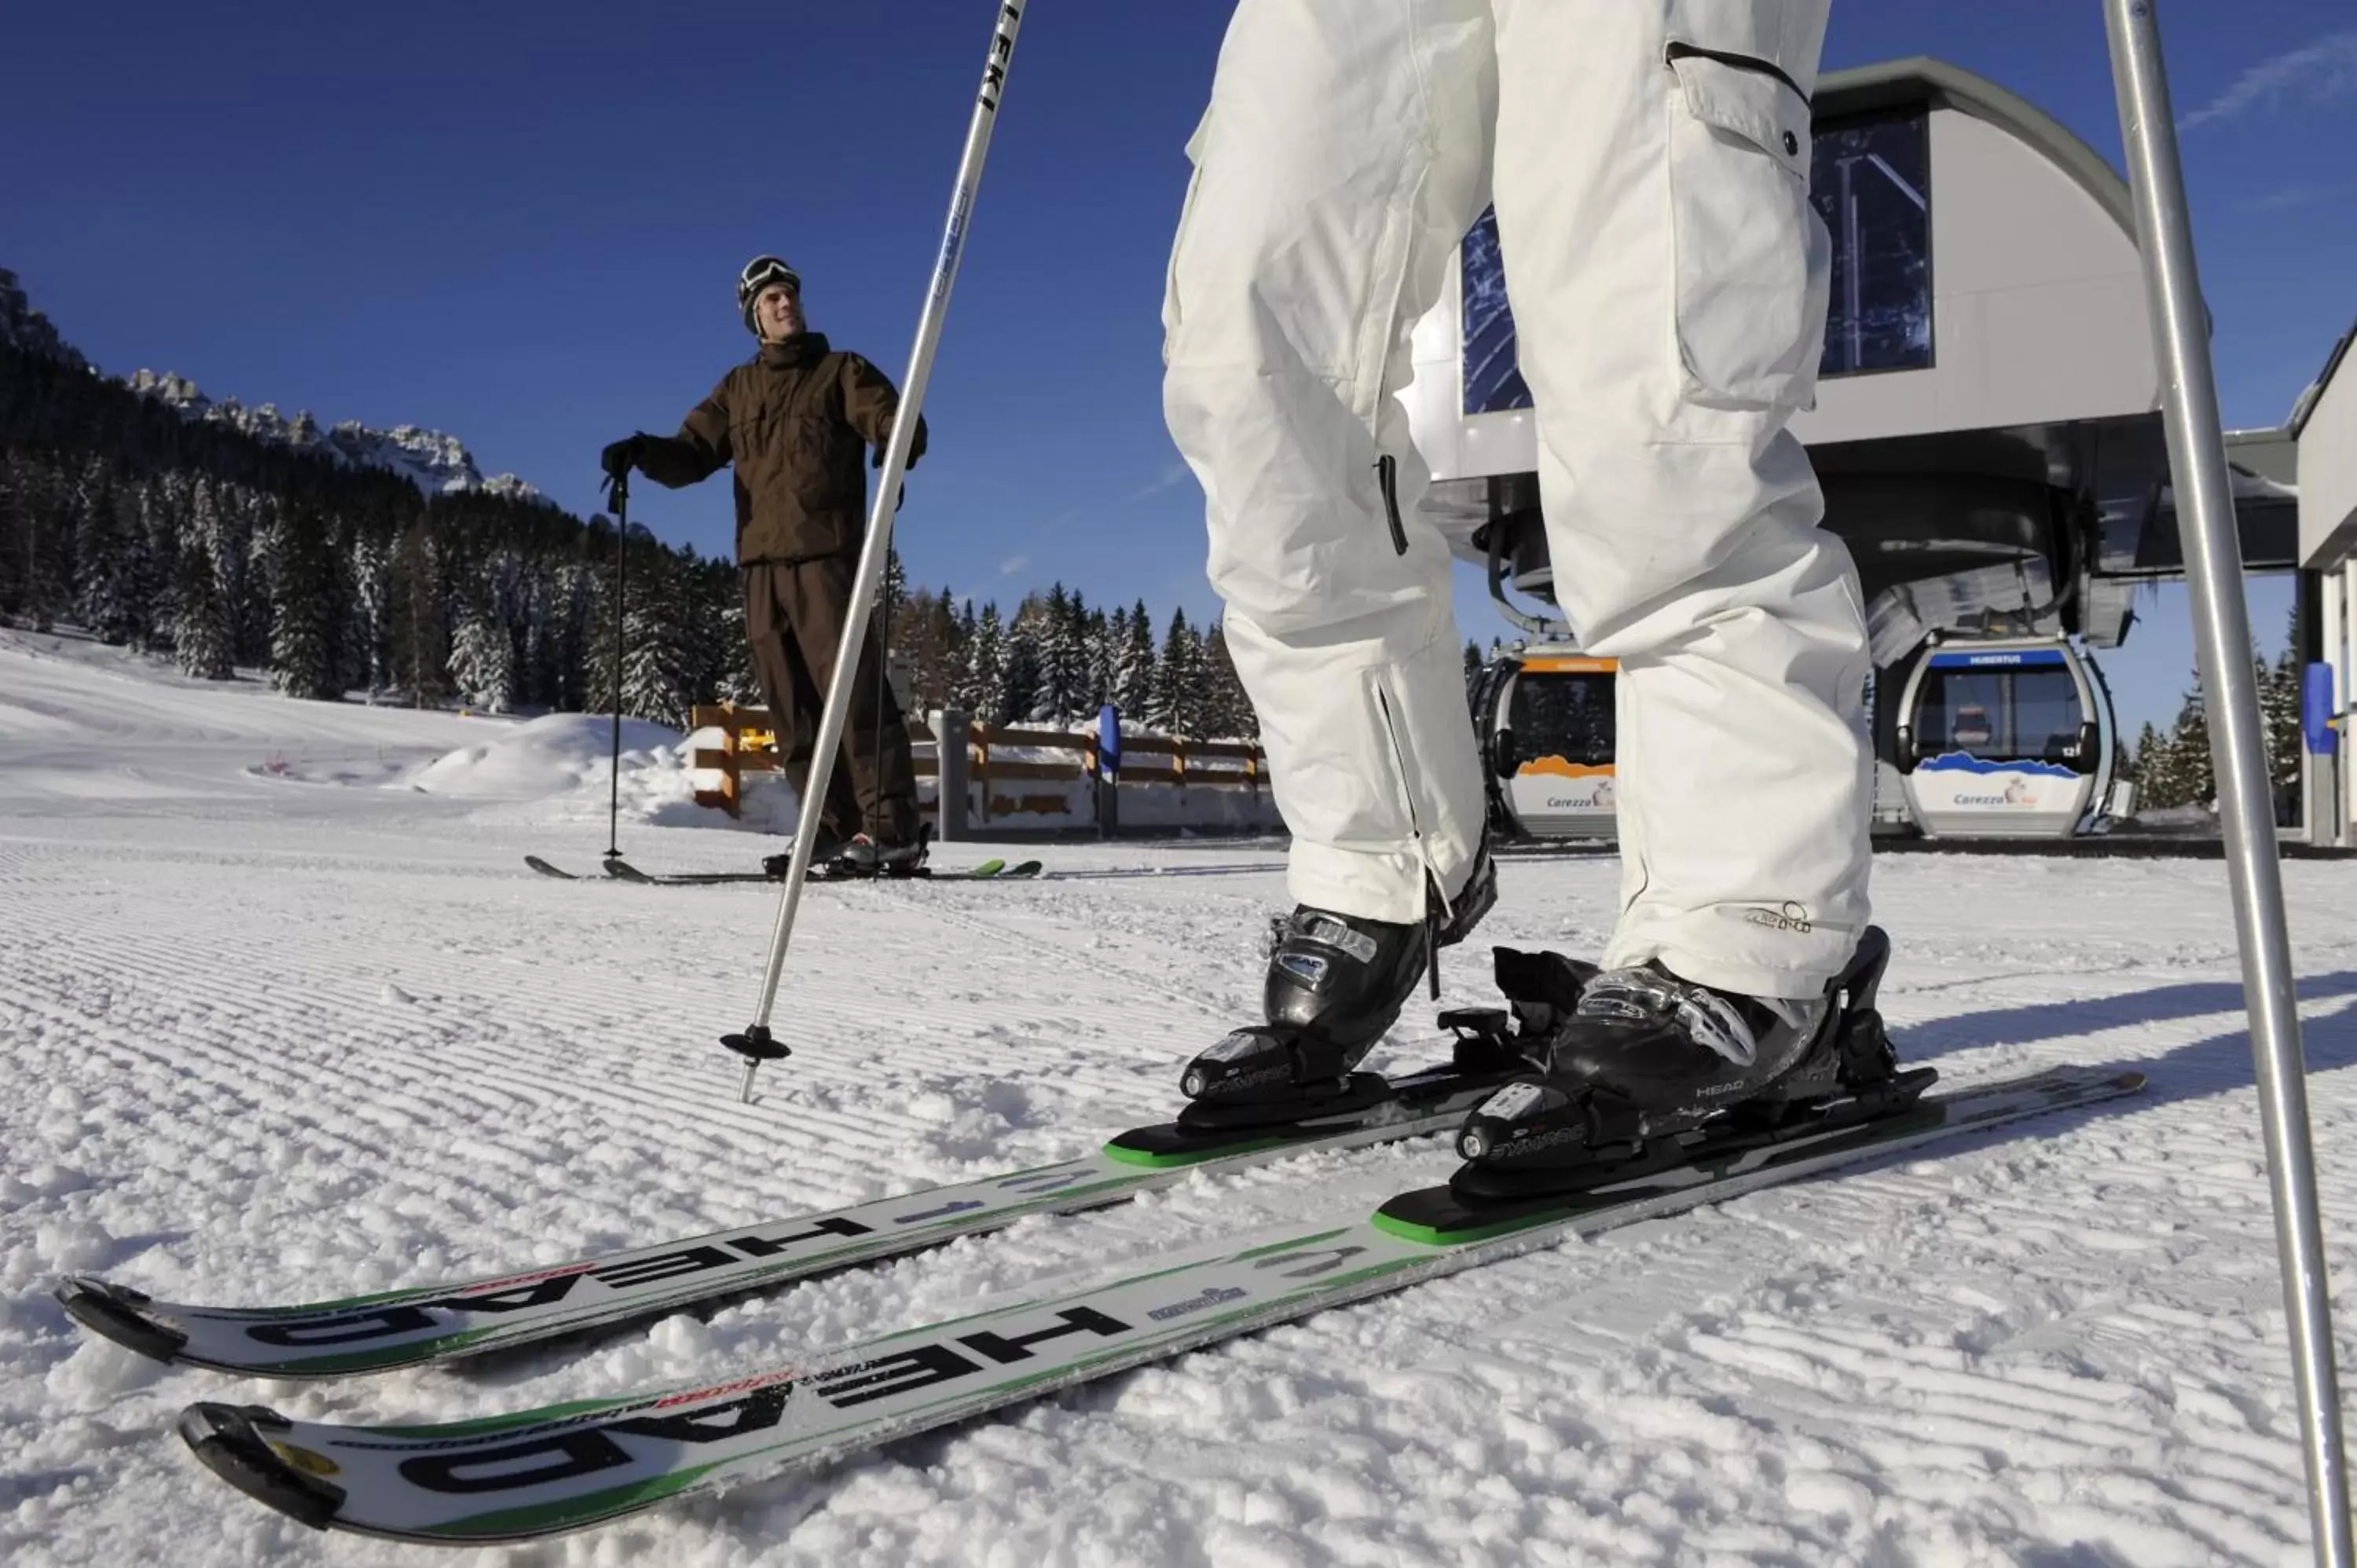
1753, 260
1179, 235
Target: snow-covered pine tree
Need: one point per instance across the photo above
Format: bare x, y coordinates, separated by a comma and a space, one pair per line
2143, 763
372, 573
53, 520
225, 517
107, 549
1018, 695
658, 675
261, 555
163, 503
739, 681
36, 539
556, 648
16, 535
1104, 641
936, 651
305, 612
483, 658
2191, 779
201, 621
2279, 716
1177, 706
984, 640
1132, 681
1064, 659
420, 641
1228, 711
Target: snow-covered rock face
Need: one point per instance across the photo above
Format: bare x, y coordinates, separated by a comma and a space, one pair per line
22, 327
435, 463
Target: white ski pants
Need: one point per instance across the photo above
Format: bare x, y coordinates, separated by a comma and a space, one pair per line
1649, 166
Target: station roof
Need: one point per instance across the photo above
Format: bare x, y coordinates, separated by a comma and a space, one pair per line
1919, 78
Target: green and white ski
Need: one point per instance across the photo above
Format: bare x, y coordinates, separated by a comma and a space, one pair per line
995, 870
543, 1472
357, 1335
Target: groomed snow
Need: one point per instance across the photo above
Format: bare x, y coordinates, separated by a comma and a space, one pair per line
283, 1016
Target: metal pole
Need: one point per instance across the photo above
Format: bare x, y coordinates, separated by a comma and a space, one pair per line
757, 1044
621, 609
2206, 521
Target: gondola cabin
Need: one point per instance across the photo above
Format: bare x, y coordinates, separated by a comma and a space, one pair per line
2006, 738
1547, 715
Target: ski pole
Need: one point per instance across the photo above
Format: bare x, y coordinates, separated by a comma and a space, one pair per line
757, 1044
621, 496
2221, 639
883, 663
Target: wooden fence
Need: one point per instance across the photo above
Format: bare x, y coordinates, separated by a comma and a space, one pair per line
747, 735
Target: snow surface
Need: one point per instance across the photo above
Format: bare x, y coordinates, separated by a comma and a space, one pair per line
282, 1021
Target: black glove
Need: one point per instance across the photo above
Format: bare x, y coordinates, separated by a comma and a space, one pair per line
916, 448
621, 456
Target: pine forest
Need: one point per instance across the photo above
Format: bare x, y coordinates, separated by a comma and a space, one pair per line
196, 541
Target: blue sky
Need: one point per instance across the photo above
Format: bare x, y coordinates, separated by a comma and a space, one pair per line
521, 224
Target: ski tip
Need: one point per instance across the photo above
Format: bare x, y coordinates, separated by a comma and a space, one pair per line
231, 1441
547, 869
624, 871
112, 1312
1025, 868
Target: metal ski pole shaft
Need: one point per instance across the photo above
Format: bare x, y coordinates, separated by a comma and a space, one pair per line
621, 611
2205, 514
757, 1044
883, 661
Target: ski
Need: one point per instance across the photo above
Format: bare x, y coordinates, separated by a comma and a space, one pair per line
544, 1472
623, 871
988, 871
360, 1334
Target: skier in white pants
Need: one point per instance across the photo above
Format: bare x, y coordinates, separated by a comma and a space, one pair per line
1650, 168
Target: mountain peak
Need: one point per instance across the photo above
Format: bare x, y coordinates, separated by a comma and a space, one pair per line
22, 327
438, 464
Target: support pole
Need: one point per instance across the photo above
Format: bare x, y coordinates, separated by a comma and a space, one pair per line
953, 772
2205, 518
757, 1044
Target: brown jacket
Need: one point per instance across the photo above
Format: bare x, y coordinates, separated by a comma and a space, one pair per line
795, 419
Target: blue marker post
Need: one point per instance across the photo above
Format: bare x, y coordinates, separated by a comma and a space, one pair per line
1108, 779
2320, 728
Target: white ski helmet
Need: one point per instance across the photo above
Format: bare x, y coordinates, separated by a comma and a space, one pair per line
759, 274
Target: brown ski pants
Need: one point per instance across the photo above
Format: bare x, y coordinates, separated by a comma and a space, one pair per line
795, 615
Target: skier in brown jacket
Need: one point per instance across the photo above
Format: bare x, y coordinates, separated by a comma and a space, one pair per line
794, 421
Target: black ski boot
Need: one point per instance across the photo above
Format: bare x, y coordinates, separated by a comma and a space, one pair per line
866, 856
1335, 983
1649, 1069
776, 867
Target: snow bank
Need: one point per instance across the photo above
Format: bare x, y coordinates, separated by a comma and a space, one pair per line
557, 770
556, 756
